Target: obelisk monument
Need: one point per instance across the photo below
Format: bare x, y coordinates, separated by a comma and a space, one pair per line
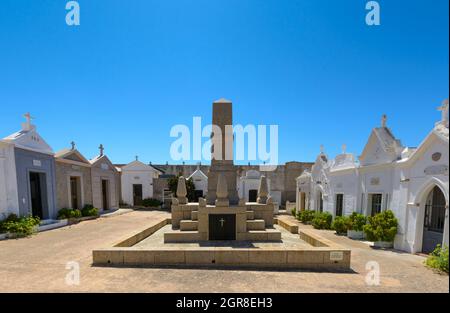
222, 152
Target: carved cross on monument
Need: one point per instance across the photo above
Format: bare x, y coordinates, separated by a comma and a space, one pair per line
73, 145
221, 222
28, 117
101, 148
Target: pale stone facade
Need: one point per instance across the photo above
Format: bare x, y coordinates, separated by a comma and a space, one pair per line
73, 180
105, 183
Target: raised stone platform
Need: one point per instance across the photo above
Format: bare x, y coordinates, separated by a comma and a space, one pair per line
147, 248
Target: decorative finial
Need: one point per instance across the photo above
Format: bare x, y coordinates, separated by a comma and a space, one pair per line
101, 148
263, 190
383, 120
137, 158
73, 145
444, 110
344, 148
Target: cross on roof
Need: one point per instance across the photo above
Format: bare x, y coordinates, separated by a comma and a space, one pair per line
137, 158
344, 148
322, 148
73, 145
28, 117
101, 148
383, 120
444, 109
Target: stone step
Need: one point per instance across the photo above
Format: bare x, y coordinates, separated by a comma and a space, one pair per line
264, 235
181, 236
187, 225
194, 215
250, 215
256, 225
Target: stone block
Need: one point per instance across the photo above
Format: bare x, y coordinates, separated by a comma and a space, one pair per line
199, 257
108, 257
224, 257
267, 256
139, 257
256, 225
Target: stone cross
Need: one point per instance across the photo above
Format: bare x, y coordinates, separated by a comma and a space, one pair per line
28, 117
444, 111
344, 148
101, 149
383, 120
73, 145
137, 158
322, 148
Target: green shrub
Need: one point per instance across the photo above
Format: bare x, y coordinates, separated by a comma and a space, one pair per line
381, 227
356, 222
322, 220
306, 216
438, 259
68, 213
19, 226
294, 212
340, 224
151, 203
89, 210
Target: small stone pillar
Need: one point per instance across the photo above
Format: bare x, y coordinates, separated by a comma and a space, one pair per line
181, 191
222, 191
263, 191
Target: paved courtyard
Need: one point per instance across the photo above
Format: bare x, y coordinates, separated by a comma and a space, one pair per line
38, 264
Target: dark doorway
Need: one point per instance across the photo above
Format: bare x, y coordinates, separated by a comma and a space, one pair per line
222, 227
198, 194
105, 193
320, 202
36, 194
433, 228
75, 193
339, 204
137, 194
375, 202
252, 195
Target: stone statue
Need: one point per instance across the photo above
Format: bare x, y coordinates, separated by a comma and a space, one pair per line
263, 191
181, 190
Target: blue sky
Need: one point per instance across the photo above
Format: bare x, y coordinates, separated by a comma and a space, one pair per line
133, 69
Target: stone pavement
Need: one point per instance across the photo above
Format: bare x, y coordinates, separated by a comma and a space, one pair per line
38, 264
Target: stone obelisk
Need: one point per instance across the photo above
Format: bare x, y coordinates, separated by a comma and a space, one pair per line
222, 152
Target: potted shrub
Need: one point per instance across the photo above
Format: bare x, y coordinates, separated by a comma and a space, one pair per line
306, 216
322, 220
340, 225
89, 210
356, 222
382, 229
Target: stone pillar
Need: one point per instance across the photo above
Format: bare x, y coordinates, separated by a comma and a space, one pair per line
222, 154
263, 191
222, 191
181, 191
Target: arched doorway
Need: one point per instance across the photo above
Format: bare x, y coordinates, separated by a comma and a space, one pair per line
434, 220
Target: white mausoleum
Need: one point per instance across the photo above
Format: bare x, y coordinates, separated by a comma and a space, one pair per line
412, 182
137, 182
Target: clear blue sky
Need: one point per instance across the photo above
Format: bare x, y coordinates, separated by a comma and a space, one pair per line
132, 69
